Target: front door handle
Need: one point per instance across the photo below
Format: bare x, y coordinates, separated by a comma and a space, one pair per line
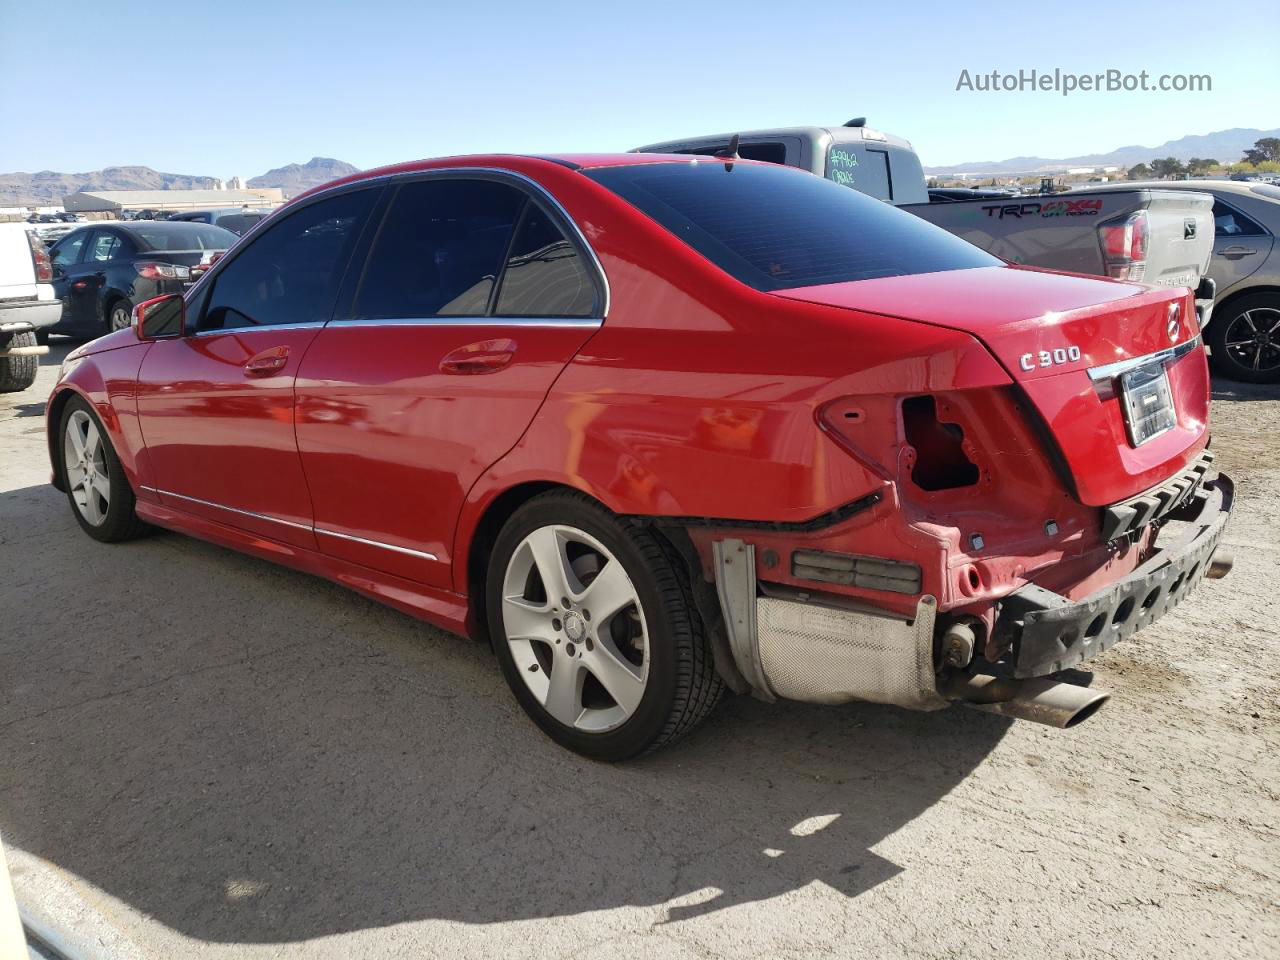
267, 362
1235, 253
485, 356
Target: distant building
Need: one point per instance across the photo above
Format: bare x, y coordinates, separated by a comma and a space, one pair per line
113, 201
235, 183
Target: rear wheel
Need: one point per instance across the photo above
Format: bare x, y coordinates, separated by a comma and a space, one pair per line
1245, 339
119, 316
100, 495
595, 629
18, 373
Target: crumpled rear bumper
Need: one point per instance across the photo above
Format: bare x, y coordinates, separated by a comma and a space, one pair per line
1050, 633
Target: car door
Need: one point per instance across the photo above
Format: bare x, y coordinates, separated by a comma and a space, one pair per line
1240, 246
77, 305
216, 404
473, 297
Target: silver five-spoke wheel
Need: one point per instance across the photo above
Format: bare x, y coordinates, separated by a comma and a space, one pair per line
575, 627
87, 472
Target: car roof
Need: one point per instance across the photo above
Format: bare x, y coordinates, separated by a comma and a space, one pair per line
508, 161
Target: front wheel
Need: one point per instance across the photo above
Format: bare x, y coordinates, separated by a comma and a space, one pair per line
595, 629
100, 495
1244, 339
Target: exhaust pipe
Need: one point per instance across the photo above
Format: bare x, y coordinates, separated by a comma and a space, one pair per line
1040, 700
1220, 564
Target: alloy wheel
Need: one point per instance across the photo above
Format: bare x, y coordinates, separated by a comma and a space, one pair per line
84, 454
1253, 339
575, 628
121, 317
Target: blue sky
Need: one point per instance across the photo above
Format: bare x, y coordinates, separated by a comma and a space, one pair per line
236, 87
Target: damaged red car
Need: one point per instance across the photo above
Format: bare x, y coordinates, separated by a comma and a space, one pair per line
658, 426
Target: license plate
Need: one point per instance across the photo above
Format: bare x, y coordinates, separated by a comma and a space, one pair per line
1148, 403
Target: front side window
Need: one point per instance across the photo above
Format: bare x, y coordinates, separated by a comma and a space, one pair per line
67, 251
440, 249
775, 227
544, 276
291, 272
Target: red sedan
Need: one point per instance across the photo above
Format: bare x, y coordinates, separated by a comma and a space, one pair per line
656, 425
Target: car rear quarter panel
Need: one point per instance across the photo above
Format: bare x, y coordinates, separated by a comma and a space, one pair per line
698, 397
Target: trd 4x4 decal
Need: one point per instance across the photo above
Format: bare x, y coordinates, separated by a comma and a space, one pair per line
1086, 207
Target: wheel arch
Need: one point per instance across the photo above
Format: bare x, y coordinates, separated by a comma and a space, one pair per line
1230, 299
479, 545
53, 419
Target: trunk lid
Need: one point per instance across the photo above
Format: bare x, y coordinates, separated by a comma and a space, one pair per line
1068, 341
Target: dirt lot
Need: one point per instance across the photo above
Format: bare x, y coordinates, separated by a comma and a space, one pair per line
204, 755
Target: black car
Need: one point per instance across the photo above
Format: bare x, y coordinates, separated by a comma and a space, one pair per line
100, 272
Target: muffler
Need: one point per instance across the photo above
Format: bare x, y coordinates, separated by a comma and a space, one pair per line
1220, 564
1040, 700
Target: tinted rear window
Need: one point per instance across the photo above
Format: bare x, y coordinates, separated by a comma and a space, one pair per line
774, 227
193, 236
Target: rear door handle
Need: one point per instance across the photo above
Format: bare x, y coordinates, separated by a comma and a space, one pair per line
267, 362
485, 356
1235, 253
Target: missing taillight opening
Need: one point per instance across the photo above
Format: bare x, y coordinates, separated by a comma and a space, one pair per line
941, 462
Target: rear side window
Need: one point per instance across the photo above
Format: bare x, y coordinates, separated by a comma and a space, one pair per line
440, 249
544, 276
105, 246
238, 223
291, 272
774, 227
1230, 222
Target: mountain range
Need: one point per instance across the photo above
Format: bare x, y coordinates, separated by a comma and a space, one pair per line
47, 188
1227, 146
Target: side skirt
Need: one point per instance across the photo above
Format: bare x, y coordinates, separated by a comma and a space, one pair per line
441, 608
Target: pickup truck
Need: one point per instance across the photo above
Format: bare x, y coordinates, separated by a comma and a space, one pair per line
1149, 235
27, 305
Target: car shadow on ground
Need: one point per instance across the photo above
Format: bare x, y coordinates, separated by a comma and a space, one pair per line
1236, 390
252, 755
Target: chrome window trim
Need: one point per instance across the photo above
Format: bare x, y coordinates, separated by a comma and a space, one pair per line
261, 327
289, 523
386, 178
375, 543
591, 323
1110, 371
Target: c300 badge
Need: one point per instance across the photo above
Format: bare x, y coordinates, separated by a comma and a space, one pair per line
1049, 358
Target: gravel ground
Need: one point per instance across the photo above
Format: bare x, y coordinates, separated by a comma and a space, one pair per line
204, 755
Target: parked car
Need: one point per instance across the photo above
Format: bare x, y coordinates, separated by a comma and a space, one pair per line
235, 219
101, 271
27, 305
1244, 333
1120, 231
951, 194
657, 425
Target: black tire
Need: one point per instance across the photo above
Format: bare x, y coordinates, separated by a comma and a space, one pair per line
681, 686
123, 307
1233, 326
18, 373
121, 521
